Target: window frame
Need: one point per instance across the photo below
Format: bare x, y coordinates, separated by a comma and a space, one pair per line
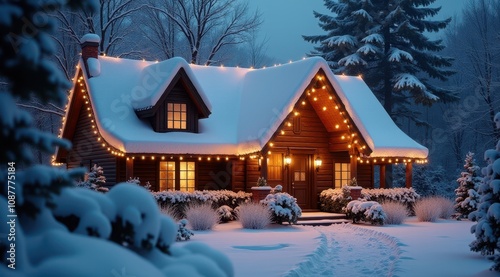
184, 175
345, 174
171, 114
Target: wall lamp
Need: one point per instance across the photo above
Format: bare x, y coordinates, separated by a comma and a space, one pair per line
317, 162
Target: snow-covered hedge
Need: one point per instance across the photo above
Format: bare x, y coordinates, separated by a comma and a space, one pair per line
335, 200
284, 207
217, 198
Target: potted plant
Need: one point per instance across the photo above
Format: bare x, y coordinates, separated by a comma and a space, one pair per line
355, 189
260, 190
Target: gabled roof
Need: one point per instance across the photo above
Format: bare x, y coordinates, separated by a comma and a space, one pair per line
247, 105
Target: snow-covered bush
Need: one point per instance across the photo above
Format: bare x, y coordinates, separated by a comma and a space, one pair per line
429, 209
95, 180
447, 207
283, 207
183, 233
487, 215
335, 200
180, 200
253, 215
202, 216
368, 211
466, 194
395, 212
226, 213
169, 210
277, 188
137, 181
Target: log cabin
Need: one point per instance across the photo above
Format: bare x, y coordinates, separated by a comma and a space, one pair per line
188, 127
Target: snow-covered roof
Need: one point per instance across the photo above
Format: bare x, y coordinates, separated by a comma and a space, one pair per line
247, 107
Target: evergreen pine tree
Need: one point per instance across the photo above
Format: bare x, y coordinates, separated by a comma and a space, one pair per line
97, 179
466, 194
384, 41
26, 50
487, 215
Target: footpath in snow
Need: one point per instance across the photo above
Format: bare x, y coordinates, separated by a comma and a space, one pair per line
346, 250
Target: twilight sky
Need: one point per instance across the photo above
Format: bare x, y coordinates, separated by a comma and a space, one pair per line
285, 21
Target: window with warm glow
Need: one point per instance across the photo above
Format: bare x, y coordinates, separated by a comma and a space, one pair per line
177, 175
167, 176
274, 167
176, 116
187, 176
342, 173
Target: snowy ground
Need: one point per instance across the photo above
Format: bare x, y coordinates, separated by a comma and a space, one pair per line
411, 249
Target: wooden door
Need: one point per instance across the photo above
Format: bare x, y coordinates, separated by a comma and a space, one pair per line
300, 176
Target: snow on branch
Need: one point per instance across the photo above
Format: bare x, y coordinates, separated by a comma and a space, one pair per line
396, 55
341, 40
364, 14
353, 59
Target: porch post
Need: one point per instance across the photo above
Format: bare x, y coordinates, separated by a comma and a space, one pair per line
129, 169
263, 166
409, 174
382, 175
354, 165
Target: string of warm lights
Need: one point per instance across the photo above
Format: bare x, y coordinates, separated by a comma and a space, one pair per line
351, 135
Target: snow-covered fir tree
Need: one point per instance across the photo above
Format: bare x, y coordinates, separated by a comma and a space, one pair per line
466, 194
95, 180
385, 42
487, 215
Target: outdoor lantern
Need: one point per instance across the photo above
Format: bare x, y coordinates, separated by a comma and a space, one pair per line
288, 159
318, 162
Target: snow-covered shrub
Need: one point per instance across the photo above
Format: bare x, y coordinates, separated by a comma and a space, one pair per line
136, 181
447, 207
183, 233
202, 216
169, 210
253, 215
487, 215
277, 188
335, 200
226, 213
180, 200
369, 211
283, 207
95, 180
428, 209
395, 212
466, 194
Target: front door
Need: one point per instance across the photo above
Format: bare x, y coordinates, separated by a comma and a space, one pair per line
300, 180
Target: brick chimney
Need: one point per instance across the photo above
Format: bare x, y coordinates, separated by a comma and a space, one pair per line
90, 48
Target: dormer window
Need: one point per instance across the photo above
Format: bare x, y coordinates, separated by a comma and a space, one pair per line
177, 116
178, 108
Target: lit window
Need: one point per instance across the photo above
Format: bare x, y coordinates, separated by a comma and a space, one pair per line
274, 167
177, 175
187, 176
176, 116
342, 174
167, 176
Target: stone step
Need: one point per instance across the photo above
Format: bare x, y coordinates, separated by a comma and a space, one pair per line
322, 222
321, 218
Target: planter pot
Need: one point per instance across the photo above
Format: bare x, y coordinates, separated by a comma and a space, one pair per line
355, 192
259, 193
